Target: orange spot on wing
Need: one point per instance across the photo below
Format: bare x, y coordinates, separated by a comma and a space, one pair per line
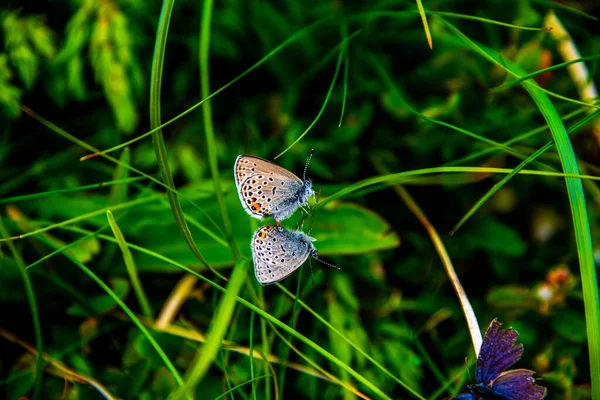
255, 207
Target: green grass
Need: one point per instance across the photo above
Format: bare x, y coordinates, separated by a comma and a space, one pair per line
131, 275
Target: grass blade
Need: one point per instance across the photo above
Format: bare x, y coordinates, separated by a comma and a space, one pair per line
470, 316
217, 330
515, 82
124, 307
211, 145
425, 24
331, 86
230, 391
263, 314
577, 202
388, 80
37, 328
138, 289
515, 171
157, 137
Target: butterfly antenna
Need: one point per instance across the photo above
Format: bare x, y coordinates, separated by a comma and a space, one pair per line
326, 263
310, 153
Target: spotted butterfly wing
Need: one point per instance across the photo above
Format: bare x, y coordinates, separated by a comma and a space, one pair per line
277, 252
266, 189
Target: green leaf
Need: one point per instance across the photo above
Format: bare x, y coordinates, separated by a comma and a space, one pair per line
570, 324
496, 237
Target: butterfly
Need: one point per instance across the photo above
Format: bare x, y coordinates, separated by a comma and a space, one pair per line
277, 252
499, 352
268, 190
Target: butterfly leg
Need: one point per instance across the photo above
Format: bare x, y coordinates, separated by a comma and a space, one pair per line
300, 225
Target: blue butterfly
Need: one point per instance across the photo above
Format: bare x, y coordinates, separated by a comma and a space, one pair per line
499, 352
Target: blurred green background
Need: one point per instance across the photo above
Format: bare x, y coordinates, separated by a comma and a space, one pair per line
360, 81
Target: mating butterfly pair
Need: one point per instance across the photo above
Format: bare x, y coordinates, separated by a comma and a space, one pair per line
268, 190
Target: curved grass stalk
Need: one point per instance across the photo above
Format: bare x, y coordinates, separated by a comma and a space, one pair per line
35, 317
577, 202
343, 50
402, 177
425, 24
138, 289
515, 82
157, 137
211, 145
475, 332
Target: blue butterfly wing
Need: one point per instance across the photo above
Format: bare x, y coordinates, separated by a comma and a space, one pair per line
517, 384
498, 352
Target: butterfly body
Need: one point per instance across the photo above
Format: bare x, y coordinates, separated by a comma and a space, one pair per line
277, 252
268, 190
499, 351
